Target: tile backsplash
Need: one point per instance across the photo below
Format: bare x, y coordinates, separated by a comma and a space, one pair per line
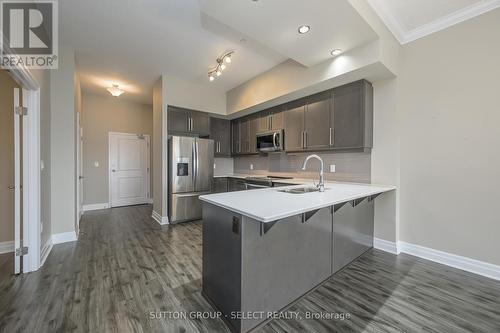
223, 166
349, 166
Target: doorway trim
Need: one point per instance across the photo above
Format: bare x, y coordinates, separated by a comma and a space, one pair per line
31, 167
148, 142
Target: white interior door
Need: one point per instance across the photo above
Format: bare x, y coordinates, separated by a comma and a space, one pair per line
17, 181
129, 169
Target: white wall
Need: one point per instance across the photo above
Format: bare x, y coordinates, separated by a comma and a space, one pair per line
450, 114
385, 157
290, 80
160, 151
62, 142
194, 96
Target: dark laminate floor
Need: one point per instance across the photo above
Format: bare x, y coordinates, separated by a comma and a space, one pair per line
6, 266
125, 265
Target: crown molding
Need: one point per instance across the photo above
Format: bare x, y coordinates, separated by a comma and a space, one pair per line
405, 36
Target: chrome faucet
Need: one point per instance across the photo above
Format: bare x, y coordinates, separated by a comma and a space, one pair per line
321, 185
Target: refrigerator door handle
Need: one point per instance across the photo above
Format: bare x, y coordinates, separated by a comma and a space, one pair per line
197, 166
193, 164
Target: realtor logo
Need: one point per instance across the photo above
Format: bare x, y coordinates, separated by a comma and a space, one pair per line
29, 34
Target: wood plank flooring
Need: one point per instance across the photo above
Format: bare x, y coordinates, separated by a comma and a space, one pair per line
128, 274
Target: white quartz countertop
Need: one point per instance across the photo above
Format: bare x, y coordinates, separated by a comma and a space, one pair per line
268, 204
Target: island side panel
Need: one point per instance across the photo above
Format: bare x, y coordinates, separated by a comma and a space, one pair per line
352, 232
221, 271
286, 262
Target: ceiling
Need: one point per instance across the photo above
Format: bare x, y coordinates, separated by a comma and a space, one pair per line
409, 20
133, 42
334, 24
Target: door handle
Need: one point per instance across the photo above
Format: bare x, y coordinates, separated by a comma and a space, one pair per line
81, 177
113, 170
11, 187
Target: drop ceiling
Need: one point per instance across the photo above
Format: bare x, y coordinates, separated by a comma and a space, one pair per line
335, 24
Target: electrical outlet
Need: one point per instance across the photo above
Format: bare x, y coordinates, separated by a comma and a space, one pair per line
251, 166
332, 168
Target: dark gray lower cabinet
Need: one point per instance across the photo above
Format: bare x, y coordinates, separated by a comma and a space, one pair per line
247, 268
220, 185
235, 184
352, 231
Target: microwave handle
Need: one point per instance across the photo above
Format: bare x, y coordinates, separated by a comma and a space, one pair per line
275, 142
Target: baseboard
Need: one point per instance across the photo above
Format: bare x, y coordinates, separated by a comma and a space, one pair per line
47, 247
6, 247
384, 245
464, 263
64, 237
162, 220
98, 206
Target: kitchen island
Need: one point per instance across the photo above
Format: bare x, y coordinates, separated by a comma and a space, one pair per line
264, 248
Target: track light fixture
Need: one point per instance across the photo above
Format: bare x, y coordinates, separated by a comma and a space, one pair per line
222, 63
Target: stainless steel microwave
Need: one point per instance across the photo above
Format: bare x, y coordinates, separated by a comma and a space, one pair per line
270, 141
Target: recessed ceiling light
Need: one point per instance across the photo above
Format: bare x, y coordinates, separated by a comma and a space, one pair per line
303, 29
336, 52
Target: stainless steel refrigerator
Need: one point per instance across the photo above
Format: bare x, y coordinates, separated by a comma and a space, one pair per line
191, 169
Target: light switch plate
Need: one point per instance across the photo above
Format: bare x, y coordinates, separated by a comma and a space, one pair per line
251, 166
332, 167
215, 166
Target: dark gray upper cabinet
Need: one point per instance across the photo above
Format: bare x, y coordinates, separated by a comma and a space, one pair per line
271, 120
340, 118
294, 126
220, 132
352, 116
177, 120
184, 121
317, 121
244, 135
235, 137
253, 129
200, 123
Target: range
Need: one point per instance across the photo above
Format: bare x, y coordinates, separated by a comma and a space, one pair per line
263, 181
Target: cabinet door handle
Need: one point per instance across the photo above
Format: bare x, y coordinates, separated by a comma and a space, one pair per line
331, 136
305, 139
